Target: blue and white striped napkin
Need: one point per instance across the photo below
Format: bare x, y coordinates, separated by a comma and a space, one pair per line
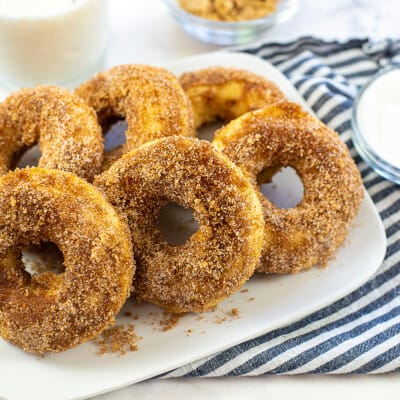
359, 333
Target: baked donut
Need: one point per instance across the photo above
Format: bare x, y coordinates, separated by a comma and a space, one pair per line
216, 260
49, 312
218, 93
149, 98
283, 135
111, 156
65, 128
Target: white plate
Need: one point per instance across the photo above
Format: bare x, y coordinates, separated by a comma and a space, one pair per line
278, 300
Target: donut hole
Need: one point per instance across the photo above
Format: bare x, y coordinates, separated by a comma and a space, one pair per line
28, 157
207, 130
43, 257
114, 133
282, 186
176, 224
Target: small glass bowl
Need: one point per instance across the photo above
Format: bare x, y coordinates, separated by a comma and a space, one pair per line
230, 33
365, 149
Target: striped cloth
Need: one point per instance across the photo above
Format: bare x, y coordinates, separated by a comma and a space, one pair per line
359, 333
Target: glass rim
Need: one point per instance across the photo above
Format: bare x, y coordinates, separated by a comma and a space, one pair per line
364, 149
53, 14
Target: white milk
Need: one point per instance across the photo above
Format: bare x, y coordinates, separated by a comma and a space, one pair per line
50, 41
378, 116
26, 8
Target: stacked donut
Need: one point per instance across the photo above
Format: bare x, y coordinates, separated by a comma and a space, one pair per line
102, 210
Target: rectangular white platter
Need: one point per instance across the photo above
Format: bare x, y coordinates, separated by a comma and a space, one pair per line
275, 301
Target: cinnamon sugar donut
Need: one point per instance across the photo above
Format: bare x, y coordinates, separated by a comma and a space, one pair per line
65, 128
149, 98
111, 156
227, 93
217, 259
49, 312
284, 135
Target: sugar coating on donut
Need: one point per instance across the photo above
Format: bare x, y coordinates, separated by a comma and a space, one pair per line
217, 259
227, 93
48, 312
65, 128
283, 135
149, 98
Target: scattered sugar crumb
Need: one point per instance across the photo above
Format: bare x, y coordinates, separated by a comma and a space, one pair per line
219, 319
189, 332
131, 315
235, 312
251, 299
244, 290
118, 339
170, 321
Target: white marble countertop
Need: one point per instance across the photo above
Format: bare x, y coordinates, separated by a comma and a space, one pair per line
141, 31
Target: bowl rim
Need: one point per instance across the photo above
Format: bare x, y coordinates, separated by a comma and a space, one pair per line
364, 149
180, 12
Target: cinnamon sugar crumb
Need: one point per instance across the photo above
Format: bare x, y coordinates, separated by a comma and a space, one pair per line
251, 299
118, 339
235, 312
170, 321
244, 290
219, 319
189, 332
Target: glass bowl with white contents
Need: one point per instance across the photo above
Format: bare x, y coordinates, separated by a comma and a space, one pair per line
376, 123
226, 32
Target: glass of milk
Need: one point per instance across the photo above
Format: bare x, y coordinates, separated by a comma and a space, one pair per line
51, 41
